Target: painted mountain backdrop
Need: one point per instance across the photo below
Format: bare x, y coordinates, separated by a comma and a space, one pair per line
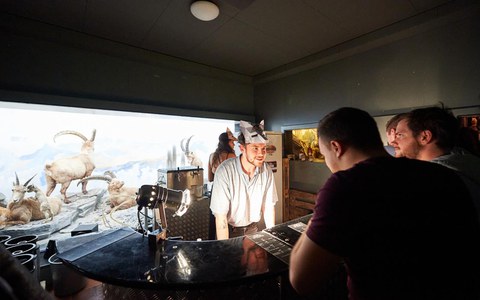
132, 145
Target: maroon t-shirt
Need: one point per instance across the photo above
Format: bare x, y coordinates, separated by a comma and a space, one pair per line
407, 229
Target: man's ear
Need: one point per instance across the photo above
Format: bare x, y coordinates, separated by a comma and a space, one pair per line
337, 148
426, 137
241, 147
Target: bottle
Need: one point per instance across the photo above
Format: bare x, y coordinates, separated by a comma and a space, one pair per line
310, 154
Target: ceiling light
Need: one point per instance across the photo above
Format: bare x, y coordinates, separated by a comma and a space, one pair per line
204, 10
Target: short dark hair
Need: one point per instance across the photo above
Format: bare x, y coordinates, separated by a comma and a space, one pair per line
393, 122
241, 139
440, 122
351, 126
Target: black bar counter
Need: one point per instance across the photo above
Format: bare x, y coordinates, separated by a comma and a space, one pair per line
123, 258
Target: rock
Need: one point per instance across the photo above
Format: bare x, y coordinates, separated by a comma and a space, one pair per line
80, 207
3, 201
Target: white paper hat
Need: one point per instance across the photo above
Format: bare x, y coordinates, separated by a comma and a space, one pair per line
253, 134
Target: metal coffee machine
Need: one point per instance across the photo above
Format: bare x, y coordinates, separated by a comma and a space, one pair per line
182, 178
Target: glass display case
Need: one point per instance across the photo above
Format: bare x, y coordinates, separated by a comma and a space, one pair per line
305, 170
302, 143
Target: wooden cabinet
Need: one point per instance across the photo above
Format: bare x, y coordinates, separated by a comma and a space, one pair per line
296, 203
286, 188
299, 204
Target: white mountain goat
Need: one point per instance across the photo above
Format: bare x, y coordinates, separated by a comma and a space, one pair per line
64, 170
120, 197
4, 216
192, 158
20, 210
19, 190
50, 206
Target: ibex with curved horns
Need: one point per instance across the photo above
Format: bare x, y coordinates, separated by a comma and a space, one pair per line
192, 158
120, 196
64, 170
20, 210
18, 193
19, 190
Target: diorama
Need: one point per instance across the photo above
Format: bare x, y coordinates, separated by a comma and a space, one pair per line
306, 141
471, 123
71, 168
470, 132
301, 143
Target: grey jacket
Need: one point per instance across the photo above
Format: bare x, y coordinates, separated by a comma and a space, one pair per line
468, 167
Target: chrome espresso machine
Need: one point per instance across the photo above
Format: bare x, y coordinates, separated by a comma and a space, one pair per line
182, 178
194, 224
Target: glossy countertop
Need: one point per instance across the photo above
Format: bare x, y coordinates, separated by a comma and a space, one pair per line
123, 257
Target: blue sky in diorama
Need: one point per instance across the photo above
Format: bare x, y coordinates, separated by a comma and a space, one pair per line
132, 145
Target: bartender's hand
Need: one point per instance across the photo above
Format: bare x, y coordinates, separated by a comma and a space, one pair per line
221, 225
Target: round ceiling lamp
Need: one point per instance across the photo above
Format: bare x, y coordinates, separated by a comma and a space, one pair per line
204, 10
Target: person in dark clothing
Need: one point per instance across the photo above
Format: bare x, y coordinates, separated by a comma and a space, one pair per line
467, 139
403, 228
430, 134
16, 282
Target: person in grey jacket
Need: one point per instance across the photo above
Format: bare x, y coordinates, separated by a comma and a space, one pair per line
430, 134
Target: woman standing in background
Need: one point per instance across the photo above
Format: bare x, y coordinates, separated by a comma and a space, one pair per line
223, 152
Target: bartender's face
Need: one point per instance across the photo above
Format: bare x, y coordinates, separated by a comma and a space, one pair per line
254, 153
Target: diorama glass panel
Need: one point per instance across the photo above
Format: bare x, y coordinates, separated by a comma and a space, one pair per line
469, 135
302, 144
128, 146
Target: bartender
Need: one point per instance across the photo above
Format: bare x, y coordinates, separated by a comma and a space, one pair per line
244, 187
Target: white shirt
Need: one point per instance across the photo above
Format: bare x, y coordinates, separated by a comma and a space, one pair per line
240, 198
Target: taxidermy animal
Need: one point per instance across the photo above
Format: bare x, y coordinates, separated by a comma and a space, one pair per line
20, 210
64, 170
192, 158
120, 196
50, 206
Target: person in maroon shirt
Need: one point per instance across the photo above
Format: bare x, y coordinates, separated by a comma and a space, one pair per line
403, 228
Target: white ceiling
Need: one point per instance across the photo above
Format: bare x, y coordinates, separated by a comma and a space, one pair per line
249, 37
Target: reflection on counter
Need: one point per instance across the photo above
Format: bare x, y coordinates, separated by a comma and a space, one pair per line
279, 240
250, 267
176, 263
